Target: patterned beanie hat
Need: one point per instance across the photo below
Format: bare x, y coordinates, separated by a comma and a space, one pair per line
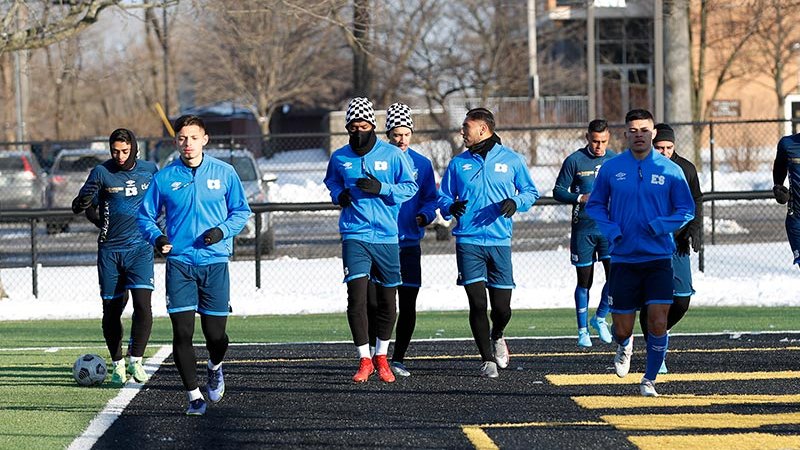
360, 108
398, 115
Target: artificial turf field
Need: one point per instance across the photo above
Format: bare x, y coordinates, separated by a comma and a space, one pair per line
732, 391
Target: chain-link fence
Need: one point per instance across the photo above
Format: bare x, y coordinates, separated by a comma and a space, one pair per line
37, 257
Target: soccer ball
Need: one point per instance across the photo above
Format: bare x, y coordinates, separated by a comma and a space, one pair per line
89, 370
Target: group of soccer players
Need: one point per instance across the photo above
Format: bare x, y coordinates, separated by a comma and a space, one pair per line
638, 212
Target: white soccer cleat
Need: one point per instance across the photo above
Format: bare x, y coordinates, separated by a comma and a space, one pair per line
647, 388
501, 355
622, 360
489, 369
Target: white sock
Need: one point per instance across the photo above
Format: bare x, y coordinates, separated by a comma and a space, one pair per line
194, 395
115, 363
134, 359
363, 351
214, 367
371, 351
381, 346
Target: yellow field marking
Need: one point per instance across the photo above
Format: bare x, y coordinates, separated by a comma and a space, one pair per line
742, 441
635, 378
618, 402
479, 439
699, 421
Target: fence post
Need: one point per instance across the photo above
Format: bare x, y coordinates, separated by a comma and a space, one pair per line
34, 260
713, 188
258, 250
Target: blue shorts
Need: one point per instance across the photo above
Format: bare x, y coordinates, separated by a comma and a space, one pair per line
205, 289
632, 286
410, 266
120, 270
587, 247
379, 262
491, 264
682, 276
793, 233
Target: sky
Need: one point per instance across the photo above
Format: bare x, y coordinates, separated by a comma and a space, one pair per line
771, 280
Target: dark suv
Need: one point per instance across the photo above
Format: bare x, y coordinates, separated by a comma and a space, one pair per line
22, 181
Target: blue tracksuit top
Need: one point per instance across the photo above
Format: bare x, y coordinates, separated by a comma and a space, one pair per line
118, 197
576, 178
423, 202
195, 200
484, 185
788, 157
371, 218
639, 204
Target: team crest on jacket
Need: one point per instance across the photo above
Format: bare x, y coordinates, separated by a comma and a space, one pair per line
620, 176
500, 167
213, 184
466, 167
381, 165
130, 188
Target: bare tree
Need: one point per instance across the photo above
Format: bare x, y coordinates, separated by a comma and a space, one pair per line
265, 57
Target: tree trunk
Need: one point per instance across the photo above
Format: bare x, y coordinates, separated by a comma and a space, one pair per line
362, 75
677, 71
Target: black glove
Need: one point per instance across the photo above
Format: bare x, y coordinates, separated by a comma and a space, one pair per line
422, 221
694, 233
345, 199
161, 242
212, 236
81, 202
508, 207
370, 184
458, 208
682, 242
781, 193
93, 214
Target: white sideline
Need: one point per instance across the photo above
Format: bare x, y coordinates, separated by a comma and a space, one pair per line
103, 420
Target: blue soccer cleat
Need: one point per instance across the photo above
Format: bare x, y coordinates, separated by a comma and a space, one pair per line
196, 407
583, 339
215, 385
602, 328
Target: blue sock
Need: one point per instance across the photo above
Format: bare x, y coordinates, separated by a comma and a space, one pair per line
656, 352
582, 306
602, 308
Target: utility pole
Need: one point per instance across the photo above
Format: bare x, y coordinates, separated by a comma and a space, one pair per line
533, 64
20, 83
165, 47
590, 62
658, 37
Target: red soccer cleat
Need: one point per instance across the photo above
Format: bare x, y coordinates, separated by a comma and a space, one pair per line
365, 369
384, 371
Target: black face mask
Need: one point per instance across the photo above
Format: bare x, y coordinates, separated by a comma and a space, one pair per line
362, 141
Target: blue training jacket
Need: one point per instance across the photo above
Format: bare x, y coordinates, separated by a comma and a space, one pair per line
639, 204
576, 178
371, 218
195, 200
422, 203
484, 185
118, 197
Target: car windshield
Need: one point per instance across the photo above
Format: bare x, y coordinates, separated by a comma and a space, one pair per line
243, 166
77, 163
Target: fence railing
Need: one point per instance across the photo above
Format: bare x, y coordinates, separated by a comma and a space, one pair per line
309, 231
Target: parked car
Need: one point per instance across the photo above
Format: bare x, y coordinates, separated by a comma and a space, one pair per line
256, 187
67, 175
22, 181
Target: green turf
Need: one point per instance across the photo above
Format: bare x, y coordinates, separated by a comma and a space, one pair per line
42, 407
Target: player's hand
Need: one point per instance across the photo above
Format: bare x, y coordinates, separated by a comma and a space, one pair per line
212, 236
508, 207
781, 193
458, 208
370, 184
81, 202
422, 221
583, 198
345, 199
163, 245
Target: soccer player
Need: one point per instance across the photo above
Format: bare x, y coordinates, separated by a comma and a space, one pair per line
205, 206
686, 237
415, 215
787, 161
482, 188
587, 245
111, 196
369, 179
639, 199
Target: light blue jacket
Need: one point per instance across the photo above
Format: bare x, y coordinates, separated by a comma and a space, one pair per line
371, 218
422, 203
195, 200
485, 184
639, 204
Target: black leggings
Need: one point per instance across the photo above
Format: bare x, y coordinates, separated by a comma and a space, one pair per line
676, 312
406, 318
183, 350
586, 273
479, 323
141, 326
364, 319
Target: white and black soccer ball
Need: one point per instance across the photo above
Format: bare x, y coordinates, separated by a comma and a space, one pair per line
89, 370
